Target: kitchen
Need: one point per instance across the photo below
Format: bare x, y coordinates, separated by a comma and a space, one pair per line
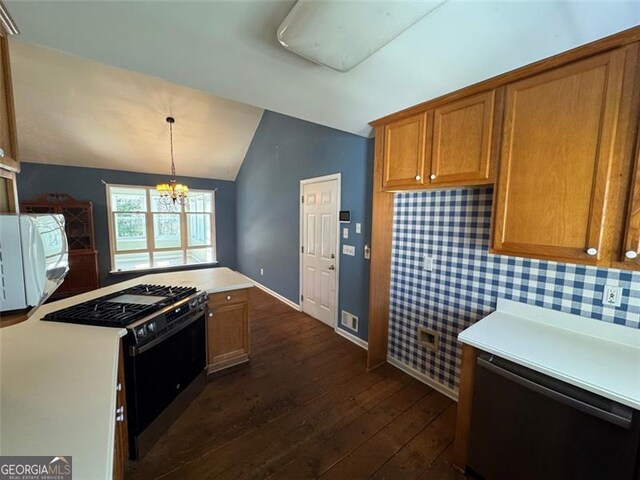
473, 294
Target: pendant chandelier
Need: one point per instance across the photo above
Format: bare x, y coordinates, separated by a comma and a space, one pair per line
172, 193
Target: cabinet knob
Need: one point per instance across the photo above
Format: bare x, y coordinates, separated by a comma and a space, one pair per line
210, 314
631, 254
433, 177
228, 297
592, 251
418, 177
1, 152
119, 387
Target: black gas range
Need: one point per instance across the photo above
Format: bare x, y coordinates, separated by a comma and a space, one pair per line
164, 354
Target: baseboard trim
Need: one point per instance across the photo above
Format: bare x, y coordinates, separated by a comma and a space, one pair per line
285, 300
452, 394
352, 338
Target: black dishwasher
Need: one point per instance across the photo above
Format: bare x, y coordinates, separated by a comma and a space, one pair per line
528, 426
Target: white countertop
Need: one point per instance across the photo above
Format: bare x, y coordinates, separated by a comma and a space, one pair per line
597, 356
57, 380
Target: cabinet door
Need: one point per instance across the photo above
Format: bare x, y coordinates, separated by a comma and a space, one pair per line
8, 139
555, 160
631, 247
462, 132
227, 335
405, 150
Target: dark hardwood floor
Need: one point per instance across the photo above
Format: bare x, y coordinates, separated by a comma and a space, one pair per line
306, 408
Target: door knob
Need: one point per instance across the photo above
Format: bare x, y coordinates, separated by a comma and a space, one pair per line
631, 254
592, 251
332, 267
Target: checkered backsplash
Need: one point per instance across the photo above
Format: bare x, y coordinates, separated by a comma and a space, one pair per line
453, 226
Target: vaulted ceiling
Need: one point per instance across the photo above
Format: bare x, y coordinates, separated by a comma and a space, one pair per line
229, 49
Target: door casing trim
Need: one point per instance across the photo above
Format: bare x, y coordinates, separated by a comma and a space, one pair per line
307, 181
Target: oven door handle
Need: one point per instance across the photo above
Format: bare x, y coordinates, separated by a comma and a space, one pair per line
134, 351
619, 420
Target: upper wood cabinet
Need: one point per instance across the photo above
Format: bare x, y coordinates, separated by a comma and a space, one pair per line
556, 158
405, 150
449, 145
8, 138
462, 133
631, 247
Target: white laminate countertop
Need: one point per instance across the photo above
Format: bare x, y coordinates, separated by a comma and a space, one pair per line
57, 380
597, 356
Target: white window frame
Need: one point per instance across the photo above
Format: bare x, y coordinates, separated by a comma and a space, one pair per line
151, 249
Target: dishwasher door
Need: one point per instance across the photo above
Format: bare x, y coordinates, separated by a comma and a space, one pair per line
526, 425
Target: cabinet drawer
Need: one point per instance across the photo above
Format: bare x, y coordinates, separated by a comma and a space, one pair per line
227, 298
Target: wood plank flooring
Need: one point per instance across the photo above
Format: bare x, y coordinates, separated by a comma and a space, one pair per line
306, 408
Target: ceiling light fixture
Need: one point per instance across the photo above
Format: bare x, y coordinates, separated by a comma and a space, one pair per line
172, 193
340, 34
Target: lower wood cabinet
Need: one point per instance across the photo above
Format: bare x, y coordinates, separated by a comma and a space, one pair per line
121, 441
228, 329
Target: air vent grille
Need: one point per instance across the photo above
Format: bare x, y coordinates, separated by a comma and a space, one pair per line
349, 320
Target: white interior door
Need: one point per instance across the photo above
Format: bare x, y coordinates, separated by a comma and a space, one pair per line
319, 249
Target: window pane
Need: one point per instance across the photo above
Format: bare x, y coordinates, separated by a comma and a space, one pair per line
131, 261
130, 231
200, 202
200, 255
166, 230
126, 199
158, 205
167, 259
198, 229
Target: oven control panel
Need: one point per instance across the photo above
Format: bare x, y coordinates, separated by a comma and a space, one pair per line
153, 328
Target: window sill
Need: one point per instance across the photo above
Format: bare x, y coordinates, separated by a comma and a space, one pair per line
190, 266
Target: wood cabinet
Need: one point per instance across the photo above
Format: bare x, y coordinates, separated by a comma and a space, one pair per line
450, 145
228, 341
630, 253
83, 258
8, 136
405, 151
556, 160
8, 192
121, 439
462, 141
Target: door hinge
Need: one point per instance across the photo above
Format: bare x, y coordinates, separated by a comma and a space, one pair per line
302, 249
302, 199
301, 297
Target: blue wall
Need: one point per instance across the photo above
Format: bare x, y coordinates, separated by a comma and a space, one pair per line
284, 151
85, 184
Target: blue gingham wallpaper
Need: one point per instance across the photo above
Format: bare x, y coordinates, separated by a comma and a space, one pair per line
453, 227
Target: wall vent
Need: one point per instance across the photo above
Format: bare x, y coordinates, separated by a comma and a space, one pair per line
428, 338
349, 321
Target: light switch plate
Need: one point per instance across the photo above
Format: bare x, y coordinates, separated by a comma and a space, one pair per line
612, 296
349, 250
345, 233
358, 228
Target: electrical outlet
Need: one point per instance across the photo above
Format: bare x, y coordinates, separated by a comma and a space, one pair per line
612, 296
345, 233
262, 271
427, 263
358, 228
